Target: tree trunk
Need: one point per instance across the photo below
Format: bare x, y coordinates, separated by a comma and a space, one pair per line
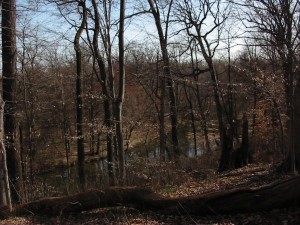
241, 200
91, 115
79, 104
192, 117
167, 72
9, 59
297, 124
162, 135
203, 119
241, 156
226, 150
225, 138
120, 97
5, 197
66, 133
104, 81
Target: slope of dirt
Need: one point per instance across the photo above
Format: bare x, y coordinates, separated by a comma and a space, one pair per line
200, 182
195, 182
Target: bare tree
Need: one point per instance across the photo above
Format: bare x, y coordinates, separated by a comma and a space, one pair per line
278, 25
149, 78
196, 72
63, 83
167, 78
105, 77
121, 93
79, 103
29, 70
195, 17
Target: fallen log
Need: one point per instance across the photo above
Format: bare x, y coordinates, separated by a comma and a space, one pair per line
241, 200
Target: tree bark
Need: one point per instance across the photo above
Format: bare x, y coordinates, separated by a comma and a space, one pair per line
241, 156
9, 59
241, 200
5, 196
121, 94
162, 135
79, 103
297, 123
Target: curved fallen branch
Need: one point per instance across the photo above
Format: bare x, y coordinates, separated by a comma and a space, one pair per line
277, 195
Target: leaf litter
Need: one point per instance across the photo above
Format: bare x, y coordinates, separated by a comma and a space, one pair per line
195, 182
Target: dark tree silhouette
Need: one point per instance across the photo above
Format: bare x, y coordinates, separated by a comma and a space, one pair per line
9, 59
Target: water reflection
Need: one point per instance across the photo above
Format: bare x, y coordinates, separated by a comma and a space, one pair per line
188, 150
64, 181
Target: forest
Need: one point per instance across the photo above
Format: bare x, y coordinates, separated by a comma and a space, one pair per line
150, 112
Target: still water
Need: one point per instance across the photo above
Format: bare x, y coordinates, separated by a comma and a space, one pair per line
64, 181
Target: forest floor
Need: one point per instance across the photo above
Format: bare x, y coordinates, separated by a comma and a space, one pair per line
194, 182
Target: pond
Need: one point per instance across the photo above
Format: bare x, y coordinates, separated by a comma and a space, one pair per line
64, 181
187, 149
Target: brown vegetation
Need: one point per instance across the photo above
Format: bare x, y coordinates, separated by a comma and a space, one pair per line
240, 200
201, 193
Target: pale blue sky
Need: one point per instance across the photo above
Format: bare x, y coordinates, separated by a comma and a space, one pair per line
54, 29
